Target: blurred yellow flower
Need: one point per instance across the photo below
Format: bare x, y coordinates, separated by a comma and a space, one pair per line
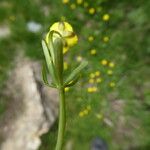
91, 80
109, 72
79, 2
66, 89
99, 80
88, 107
93, 51
65, 1
97, 73
92, 75
106, 17
106, 39
111, 65
73, 6
90, 89
85, 112
94, 89
99, 116
104, 62
66, 31
90, 38
65, 65
81, 114
91, 11
112, 84
79, 58
12, 18
85, 4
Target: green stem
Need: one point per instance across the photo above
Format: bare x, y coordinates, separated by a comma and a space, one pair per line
62, 119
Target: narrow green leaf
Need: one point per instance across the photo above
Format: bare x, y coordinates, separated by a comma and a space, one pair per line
73, 82
50, 45
45, 79
49, 61
76, 72
44, 75
58, 46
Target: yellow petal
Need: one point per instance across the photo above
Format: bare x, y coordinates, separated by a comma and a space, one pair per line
71, 40
65, 49
57, 27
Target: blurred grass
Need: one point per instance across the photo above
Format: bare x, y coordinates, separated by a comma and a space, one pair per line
128, 47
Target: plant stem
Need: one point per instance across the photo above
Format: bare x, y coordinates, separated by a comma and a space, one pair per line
62, 119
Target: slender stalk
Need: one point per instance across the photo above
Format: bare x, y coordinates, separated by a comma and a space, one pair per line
62, 119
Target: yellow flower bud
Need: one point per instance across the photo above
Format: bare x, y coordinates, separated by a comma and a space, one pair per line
67, 33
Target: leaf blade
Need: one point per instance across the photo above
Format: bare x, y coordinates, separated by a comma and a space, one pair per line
75, 72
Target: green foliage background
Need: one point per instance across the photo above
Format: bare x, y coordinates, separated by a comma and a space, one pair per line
128, 47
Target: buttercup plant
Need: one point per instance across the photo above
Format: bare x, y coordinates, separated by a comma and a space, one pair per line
57, 42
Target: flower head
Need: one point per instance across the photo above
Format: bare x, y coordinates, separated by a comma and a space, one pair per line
79, 58
65, 1
79, 2
112, 84
93, 51
66, 31
97, 73
90, 38
91, 11
111, 65
73, 6
104, 62
109, 72
105, 39
106, 17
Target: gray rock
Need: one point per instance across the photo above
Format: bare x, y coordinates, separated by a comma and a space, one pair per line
4, 31
32, 110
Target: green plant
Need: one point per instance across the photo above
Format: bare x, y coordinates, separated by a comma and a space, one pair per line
58, 40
